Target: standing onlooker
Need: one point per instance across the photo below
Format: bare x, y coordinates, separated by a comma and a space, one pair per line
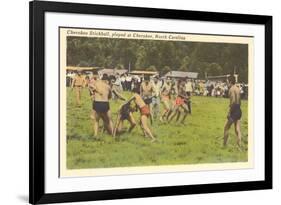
77, 83
156, 97
129, 82
137, 83
188, 87
188, 90
123, 82
118, 83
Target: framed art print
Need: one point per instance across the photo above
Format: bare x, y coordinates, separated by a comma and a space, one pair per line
140, 102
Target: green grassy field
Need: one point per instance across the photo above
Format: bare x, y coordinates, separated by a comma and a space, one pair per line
199, 141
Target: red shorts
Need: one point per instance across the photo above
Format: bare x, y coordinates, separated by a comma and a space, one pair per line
179, 101
145, 110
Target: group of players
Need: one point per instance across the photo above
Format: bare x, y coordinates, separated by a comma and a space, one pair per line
175, 97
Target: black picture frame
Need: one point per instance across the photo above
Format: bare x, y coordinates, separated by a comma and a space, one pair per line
37, 11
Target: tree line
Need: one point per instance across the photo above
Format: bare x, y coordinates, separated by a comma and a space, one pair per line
157, 55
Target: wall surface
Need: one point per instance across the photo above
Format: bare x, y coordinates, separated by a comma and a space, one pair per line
14, 100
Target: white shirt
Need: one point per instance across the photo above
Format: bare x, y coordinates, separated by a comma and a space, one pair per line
122, 79
129, 78
188, 87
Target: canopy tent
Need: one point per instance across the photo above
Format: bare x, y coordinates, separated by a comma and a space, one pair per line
113, 72
83, 69
181, 74
142, 72
221, 77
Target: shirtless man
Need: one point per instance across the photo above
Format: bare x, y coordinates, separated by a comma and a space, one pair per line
235, 113
165, 97
145, 113
146, 90
180, 103
125, 113
101, 93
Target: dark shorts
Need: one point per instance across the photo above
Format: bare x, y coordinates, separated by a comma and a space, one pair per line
125, 112
235, 113
100, 107
147, 100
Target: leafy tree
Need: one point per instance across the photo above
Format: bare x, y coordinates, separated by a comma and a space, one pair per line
119, 66
185, 63
165, 70
152, 68
164, 56
140, 58
214, 69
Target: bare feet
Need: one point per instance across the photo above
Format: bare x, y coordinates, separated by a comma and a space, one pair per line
153, 140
